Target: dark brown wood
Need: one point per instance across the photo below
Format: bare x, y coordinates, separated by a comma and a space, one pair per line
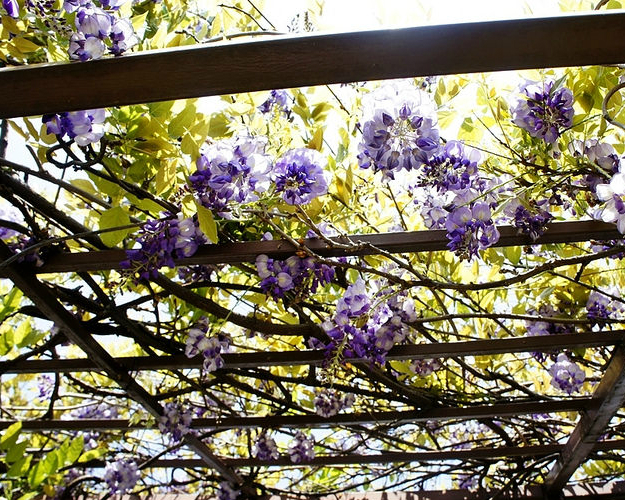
313, 420
369, 244
313, 60
316, 357
610, 394
43, 298
384, 458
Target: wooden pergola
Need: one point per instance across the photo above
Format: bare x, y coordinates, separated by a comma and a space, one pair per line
303, 61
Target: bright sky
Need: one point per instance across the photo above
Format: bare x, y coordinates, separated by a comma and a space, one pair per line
350, 15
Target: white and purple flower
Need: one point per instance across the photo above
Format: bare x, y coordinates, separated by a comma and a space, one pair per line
121, 476
299, 176
566, 375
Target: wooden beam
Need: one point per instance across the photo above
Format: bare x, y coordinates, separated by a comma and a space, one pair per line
313, 420
75, 331
316, 357
360, 245
610, 395
286, 62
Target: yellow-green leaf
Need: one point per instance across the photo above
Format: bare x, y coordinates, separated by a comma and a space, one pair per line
114, 217
207, 223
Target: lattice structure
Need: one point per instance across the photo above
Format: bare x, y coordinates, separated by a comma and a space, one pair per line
293, 62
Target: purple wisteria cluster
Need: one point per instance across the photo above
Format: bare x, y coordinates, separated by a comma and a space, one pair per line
227, 491
98, 29
231, 172
459, 200
302, 449
210, 347
299, 176
278, 100
566, 375
600, 157
121, 476
329, 402
425, 367
295, 274
238, 171
601, 306
612, 195
175, 422
545, 110
359, 330
162, 241
84, 127
265, 448
398, 130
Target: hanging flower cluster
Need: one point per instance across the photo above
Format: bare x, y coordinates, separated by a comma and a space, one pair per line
425, 367
278, 100
162, 241
545, 110
566, 375
98, 29
299, 176
265, 448
359, 331
302, 450
399, 129
231, 171
210, 347
121, 476
175, 422
84, 127
601, 307
329, 402
296, 274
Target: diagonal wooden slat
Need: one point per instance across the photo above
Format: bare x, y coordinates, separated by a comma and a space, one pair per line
360, 245
610, 394
76, 332
313, 420
305, 60
317, 357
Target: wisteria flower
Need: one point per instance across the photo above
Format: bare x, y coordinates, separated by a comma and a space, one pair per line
231, 172
11, 7
544, 110
601, 306
265, 448
399, 129
93, 21
121, 476
299, 176
300, 275
355, 302
122, 36
278, 99
425, 367
175, 422
566, 375
329, 402
302, 449
85, 48
85, 127
613, 194
210, 347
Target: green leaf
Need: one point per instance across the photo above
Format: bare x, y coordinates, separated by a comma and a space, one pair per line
74, 450
46, 467
114, 217
16, 452
207, 223
183, 120
28, 496
92, 455
317, 140
11, 301
19, 468
166, 176
9, 437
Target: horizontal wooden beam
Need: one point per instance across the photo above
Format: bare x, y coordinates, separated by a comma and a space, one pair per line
359, 245
385, 458
313, 420
307, 60
316, 357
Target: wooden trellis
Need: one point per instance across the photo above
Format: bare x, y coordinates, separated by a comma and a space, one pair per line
303, 61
